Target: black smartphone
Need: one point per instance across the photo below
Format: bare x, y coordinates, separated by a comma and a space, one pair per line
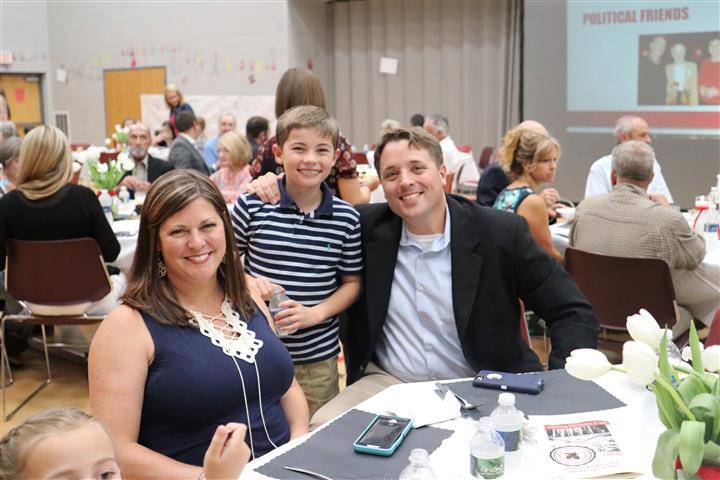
510, 382
383, 436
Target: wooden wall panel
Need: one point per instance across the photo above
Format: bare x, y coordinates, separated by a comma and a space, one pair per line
123, 88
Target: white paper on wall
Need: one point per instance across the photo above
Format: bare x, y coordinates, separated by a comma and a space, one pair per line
388, 65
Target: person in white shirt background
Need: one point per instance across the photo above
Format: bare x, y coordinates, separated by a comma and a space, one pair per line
627, 127
438, 126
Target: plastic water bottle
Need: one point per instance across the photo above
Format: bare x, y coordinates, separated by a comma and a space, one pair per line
508, 422
124, 195
277, 298
487, 451
418, 468
106, 203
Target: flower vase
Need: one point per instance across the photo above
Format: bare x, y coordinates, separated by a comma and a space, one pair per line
706, 472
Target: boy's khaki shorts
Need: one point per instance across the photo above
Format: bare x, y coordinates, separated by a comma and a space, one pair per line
319, 382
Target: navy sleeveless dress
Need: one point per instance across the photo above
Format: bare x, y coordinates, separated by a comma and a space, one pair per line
192, 387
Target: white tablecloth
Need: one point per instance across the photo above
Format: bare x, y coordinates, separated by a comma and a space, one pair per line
638, 430
127, 235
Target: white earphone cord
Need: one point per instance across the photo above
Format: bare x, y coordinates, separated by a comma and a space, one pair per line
247, 410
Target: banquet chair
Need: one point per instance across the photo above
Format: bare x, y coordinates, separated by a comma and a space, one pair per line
360, 158
485, 158
56, 282
713, 337
617, 287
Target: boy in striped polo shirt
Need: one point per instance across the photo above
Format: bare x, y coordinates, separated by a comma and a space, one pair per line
309, 243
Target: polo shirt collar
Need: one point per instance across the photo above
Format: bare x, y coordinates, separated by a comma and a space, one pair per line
326, 204
439, 243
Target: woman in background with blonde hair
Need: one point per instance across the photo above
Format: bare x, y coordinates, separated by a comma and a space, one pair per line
530, 159
46, 206
233, 170
176, 103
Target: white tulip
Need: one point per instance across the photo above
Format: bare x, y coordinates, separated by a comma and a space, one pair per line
118, 128
126, 130
76, 167
102, 167
711, 358
640, 362
587, 364
108, 142
686, 353
644, 328
125, 162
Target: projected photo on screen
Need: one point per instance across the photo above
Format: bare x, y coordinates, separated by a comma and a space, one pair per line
659, 60
679, 69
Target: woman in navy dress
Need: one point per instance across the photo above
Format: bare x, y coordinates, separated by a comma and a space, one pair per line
191, 349
530, 159
176, 103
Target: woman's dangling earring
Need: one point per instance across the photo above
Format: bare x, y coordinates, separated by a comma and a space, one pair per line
161, 268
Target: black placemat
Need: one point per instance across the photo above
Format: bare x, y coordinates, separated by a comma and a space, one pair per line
330, 452
562, 394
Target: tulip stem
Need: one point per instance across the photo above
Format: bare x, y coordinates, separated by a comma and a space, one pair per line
674, 394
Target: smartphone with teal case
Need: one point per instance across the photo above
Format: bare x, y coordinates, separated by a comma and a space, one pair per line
383, 435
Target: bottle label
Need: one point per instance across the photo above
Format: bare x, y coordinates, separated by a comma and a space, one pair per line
711, 227
487, 468
512, 439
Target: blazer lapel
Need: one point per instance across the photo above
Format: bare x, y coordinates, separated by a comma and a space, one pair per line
380, 259
466, 264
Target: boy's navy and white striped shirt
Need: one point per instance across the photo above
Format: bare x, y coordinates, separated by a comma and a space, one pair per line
305, 253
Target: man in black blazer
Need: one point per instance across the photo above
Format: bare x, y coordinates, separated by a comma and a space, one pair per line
183, 152
442, 281
147, 168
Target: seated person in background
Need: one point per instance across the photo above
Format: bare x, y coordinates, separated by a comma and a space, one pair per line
627, 127
226, 123
165, 136
233, 170
318, 262
417, 120
628, 222
46, 206
299, 86
68, 443
441, 284
530, 159
183, 153
7, 130
147, 168
494, 179
257, 130
9, 160
437, 126
197, 347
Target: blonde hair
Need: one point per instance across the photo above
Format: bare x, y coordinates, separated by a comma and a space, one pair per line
521, 148
45, 163
172, 88
238, 146
15, 446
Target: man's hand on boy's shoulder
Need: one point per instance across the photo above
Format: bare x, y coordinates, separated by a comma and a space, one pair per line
266, 187
296, 315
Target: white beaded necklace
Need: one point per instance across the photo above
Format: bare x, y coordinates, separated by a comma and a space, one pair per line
235, 339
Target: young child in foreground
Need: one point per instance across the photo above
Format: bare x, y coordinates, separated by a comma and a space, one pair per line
309, 244
68, 443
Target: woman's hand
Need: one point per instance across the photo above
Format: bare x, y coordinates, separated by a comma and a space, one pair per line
266, 187
262, 286
227, 454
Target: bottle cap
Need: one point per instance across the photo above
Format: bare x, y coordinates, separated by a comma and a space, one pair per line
506, 399
418, 455
485, 424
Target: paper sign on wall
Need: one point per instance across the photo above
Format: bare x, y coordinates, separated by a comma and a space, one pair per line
61, 75
6, 58
20, 95
388, 65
